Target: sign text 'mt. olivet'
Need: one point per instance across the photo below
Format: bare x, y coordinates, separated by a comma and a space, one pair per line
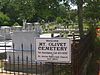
53, 50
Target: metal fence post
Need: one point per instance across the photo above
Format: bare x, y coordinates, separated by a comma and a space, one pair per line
5, 56
36, 67
27, 64
10, 63
18, 63
22, 59
13, 59
31, 57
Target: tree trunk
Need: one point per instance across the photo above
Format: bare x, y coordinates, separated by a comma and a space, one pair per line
80, 18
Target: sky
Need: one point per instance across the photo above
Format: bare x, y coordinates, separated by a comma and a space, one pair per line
73, 7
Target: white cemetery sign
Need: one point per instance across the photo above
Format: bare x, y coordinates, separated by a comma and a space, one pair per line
53, 50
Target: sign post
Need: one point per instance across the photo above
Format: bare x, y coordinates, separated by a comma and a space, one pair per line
53, 50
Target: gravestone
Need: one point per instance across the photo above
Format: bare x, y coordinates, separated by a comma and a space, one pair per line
37, 28
29, 26
26, 39
5, 32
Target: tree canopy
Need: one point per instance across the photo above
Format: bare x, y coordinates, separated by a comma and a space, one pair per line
49, 10
92, 12
4, 19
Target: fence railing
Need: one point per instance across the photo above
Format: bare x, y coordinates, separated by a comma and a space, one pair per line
23, 62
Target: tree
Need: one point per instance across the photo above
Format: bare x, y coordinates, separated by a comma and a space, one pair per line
92, 9
79, 4
25, 8
4, 19
46, 9
19, 9
92, 12
64, 11
59, 20
49, 9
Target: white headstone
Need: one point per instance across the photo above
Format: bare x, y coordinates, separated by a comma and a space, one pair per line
25, 38
37, 28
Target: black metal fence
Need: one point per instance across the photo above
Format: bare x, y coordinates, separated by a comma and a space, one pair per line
21, 62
